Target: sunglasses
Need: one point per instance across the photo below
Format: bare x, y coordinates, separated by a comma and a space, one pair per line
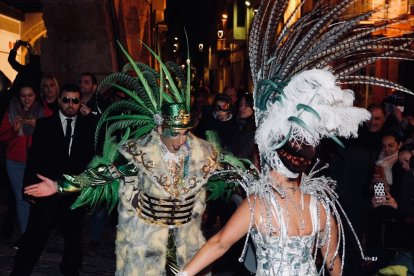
73, 100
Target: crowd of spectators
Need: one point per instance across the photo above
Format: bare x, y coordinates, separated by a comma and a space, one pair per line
375, 187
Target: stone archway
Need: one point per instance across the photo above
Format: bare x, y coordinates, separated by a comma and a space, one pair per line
34, 36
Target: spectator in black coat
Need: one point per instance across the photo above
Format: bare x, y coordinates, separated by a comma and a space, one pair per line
62, 144
243, 144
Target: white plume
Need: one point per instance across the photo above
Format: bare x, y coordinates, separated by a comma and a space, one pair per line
316, 90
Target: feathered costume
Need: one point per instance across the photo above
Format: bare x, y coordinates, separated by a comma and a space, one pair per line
297, 67
161, 194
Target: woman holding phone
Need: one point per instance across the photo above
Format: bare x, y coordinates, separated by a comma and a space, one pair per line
16, 130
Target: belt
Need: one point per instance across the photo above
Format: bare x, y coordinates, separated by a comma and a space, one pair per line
167, 212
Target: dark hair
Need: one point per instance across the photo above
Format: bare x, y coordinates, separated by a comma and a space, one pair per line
222, 98
407, 147
93, 78
70, 87
376, 106
410, 148
35, 91
397, 136
249, 99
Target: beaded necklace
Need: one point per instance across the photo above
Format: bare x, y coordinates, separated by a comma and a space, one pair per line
281, 190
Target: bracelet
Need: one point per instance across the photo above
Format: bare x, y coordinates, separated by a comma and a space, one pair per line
59, 189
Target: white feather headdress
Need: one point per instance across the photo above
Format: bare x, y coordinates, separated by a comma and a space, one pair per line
311, 107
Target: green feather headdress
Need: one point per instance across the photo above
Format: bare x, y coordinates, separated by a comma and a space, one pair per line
147, 90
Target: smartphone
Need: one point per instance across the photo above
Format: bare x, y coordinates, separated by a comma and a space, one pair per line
27, 117
379, 191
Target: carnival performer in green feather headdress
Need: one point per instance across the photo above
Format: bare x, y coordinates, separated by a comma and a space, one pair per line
157, 171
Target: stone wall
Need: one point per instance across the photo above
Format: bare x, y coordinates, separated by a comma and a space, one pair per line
79, 39
81, 35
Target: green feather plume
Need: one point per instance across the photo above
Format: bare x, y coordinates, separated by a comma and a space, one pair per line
132, 118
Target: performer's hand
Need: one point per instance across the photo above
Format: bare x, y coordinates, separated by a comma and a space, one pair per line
45, 188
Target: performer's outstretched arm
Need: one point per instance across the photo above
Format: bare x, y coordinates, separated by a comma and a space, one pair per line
217, 245
45, 188
97, 184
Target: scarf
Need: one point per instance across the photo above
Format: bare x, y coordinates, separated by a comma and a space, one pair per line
387, 163
16, 109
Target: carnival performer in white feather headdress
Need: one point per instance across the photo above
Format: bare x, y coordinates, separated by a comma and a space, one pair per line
297, 74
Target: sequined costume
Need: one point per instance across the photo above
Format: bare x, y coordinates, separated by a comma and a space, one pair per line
277, 252
295, 257
142, 238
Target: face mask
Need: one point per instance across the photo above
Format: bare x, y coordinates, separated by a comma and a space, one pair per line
291, 160
273, 160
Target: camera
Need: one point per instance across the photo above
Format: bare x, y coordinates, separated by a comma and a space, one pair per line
26, 44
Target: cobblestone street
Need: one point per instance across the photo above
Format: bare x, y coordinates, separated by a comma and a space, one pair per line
100, 261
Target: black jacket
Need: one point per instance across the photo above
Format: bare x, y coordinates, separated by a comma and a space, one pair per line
47, 155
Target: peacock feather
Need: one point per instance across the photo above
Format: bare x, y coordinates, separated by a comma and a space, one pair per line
320, 38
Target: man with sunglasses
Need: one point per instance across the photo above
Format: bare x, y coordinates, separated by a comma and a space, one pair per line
62, 144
